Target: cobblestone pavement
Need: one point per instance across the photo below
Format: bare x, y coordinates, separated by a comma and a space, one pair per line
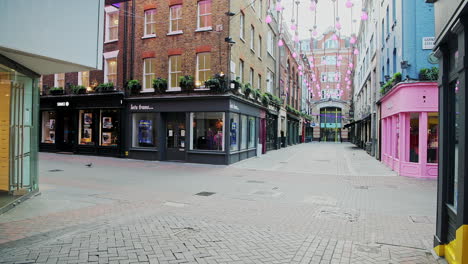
310, 203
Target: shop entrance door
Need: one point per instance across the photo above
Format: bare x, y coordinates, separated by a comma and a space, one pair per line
65, 132
175, 136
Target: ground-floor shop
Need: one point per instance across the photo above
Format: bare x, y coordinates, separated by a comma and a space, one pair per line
220, 129
410, 129
18, 129
451, 236
272, 140
89, 124
293, 132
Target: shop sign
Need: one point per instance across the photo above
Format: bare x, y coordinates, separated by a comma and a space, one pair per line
272, 108
233, 106
63, 104
141, 107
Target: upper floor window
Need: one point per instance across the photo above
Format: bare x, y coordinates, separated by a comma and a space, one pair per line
270, 81
242, 26
175, 19
270, 43
203, 68
83, 78
331, 44
260, 44
204, 14
260, 8
112, 24
59, 80
149, 68
150, 22
252, 38
111, 71
175, 71
241, 70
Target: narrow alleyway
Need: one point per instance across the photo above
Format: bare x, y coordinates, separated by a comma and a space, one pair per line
310, 203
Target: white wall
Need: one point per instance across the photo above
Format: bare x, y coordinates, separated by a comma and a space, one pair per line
50, 36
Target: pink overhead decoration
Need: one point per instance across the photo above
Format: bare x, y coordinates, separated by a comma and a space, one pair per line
340, 57
280, 43
348, 72
268, 19
299, 67
335, 37
364, 15
356, 52
293, 27
296, 38
279, 7
338, 64
294, 54
351, 65
353, 40
313, 5
349, 4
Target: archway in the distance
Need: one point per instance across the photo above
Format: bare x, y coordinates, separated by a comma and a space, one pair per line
330, 124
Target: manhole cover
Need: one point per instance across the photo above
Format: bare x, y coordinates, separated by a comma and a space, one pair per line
420, 219
255, 181
205, 193
55, 170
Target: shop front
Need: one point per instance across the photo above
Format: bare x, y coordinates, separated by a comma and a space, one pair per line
18, 129
272, 139
410, 129
75, 124
293, 130
220, 129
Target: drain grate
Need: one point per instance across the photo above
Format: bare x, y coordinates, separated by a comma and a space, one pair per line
205, 193
255, 181
55, 170
361, 187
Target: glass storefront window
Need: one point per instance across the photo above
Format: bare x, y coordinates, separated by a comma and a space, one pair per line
144, 130
244, 132
251, 143
456, 130
109, 128
414, 137
208, 130
234, 131
432, 137
85, 133
48, 127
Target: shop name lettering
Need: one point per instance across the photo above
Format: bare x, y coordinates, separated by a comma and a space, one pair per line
233, 106
141, 107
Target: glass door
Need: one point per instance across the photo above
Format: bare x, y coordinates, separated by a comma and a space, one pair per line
175, 137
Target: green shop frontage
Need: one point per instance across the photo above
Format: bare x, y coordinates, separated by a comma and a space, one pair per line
211, 129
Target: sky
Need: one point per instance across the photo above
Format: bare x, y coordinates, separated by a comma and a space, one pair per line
325, 17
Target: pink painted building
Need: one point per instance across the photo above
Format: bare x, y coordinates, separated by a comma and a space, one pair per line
409, 129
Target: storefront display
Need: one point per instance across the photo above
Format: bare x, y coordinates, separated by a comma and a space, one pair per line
85, 132
48, 127
109, 127
144, 132
244, 134
208, 130
252, 134
433, 137
234, 132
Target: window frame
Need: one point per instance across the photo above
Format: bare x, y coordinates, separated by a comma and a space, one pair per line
198, 70
80, 79
173, 20
260, 43
252, 38
242, 26
145, 74
199, 16
192, 127
169, 81
57, 80
146, 23
110, 11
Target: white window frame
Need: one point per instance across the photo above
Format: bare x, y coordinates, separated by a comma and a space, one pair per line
173, 20
242, 26
80, 79
260, 43
144, 89
200, 16
56, 80
169, 80
252, 38
146, 34
260, 9
251, 77
329, 46
109, 55
202, 86
270, 81
270, 43
259, 81
241, 70
191, 131
110, 10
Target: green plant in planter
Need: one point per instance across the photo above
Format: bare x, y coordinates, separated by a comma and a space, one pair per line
134, 86
247, 90
237, 85
433, 74
56, 90
78, 89
186, 83
105, 87
265, 99
257, 94
159, 85
217, 83
397, 77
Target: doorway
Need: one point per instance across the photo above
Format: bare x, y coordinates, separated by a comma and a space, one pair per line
65, 131
175, 136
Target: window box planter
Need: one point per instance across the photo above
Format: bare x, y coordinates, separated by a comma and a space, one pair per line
78, 89
56, 91
105, 88
186, 83
159, 85
134, 87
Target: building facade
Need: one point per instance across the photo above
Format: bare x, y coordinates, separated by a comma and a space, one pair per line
201, 98
451, 237
22, 62
330, 60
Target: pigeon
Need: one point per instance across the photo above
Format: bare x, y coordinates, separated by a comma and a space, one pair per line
89, 165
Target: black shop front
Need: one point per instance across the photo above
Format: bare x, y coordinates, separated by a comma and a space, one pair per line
218, 129
89, 124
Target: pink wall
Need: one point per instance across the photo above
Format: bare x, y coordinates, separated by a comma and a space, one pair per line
396, 106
